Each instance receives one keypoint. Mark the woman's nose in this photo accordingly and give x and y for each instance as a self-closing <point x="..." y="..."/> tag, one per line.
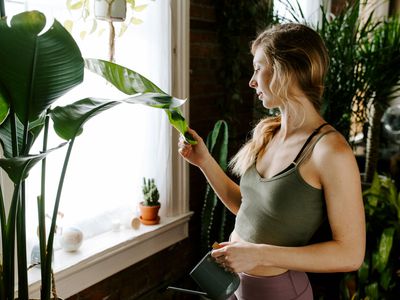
<point x="252" y="83"/>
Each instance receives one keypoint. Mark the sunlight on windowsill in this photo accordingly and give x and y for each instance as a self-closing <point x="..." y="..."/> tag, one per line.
<point x="104" y="255"/>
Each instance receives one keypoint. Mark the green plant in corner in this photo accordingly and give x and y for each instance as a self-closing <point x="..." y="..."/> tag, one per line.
<point x="150" y="192"/>
<point x="380" y="59"/>
<point x="342" y="34"/>
<point x="379" y="275"/>
<point x="39" y="62"/>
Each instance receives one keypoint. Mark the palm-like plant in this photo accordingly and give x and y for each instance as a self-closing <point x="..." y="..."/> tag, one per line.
<point x="380" y="59"/>
<point x="39" y="62"/>
<point x="342" y="35"/>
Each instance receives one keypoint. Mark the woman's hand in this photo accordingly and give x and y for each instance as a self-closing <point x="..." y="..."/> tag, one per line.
<point x="237" y="256"/>
<point x="195" y="154"/>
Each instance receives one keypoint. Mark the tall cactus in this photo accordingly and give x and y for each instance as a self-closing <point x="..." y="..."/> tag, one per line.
<point x="214" y="213"/>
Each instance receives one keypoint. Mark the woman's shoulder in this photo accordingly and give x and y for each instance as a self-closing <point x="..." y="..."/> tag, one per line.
<point x="332" y="148"/>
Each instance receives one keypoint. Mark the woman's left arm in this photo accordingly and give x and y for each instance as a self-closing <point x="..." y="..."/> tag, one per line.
<point x="340" y="179"/>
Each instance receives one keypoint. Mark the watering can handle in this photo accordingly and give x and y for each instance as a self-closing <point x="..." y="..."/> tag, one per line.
<point x="186" y="291"/>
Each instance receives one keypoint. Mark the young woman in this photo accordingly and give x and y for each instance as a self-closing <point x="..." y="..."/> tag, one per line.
<point x="296" y="171"/>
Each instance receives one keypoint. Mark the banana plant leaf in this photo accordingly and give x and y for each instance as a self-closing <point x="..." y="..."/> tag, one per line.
<point x="140" y="88"/>
<point x="6" y="134"/>
<point x="69" y="120"/>
<point x="124" y="79"/>
<point x="18" y="168"/>
<point x="39" y="63"/>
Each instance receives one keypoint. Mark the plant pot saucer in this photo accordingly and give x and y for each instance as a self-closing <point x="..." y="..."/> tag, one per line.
<point x="150" y="222"/>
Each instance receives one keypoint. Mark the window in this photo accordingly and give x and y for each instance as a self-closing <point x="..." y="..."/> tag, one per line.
<point x="124" y="144"/>
<point x="310" y="8"/>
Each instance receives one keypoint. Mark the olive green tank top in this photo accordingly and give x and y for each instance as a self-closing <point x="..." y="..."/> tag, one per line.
<point x="283" y="210"/>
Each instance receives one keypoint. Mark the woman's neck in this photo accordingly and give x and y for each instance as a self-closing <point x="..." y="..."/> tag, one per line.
<point x="298" y="119"/>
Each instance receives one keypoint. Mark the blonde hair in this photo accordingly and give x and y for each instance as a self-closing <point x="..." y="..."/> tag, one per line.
<point x="297" y="57"/>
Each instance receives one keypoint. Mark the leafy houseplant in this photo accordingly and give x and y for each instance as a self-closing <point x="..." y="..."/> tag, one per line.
<point x="380" y="58"/>
<point x="150" y="205"/>
<point x="342" y="35"/>
<point x="363" y="73"/>
<point x="39" y="62"/>
<point x="379" y="275"/>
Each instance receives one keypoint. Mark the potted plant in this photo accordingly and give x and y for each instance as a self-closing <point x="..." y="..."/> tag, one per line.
<point x="114" y="10"/>
<point x="150" y="205"/>
<point x="39" y="62"/>
<point x="110" y="11"/>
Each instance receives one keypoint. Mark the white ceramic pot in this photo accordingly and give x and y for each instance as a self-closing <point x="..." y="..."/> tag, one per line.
<point x="110" y="10"/>
<point x="71" y="239"/>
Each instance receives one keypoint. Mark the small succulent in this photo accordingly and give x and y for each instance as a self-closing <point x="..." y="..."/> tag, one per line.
<point x="150" y="192"/>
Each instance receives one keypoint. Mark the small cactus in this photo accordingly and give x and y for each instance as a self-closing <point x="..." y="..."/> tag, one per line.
<point x="150" y="192"/>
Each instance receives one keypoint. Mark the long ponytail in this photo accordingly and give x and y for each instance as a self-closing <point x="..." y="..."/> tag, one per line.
<point x="262" y="134"/>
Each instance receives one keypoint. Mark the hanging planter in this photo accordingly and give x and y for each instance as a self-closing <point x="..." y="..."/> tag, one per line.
<point x="110" y="10"/>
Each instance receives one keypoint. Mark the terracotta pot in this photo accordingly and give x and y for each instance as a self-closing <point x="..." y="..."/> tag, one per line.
<point x="149" y="214"/>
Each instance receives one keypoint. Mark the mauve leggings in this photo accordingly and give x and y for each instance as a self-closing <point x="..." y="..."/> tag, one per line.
<point x="290" y="285"/>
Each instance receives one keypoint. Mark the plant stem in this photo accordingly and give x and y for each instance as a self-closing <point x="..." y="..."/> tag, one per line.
<point x="9" y="247"/>
<point x="41" y="202"/>
<point x="21" y="247"/>
<point x="46" y="282"/>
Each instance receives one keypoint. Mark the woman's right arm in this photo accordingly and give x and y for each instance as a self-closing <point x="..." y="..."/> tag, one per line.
<point x="225" y="188"/>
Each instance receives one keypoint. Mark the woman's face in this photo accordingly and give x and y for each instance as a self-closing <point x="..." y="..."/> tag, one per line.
<point x="261" y="79"/>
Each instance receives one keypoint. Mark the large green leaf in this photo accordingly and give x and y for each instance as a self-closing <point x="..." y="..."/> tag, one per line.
<point x="18" y="168"/>
<point x="124" y="79"/>
<point x="178" y="121"/>
<point x="132" y="83"/>
<point x="69" y="120"/>
<point x="39" y="63"/>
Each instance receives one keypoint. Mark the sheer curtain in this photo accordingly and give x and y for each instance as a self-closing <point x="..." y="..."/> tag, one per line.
<point x="120" y="146"/>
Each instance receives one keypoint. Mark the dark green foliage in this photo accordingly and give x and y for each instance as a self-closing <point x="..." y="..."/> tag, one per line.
<point x="378" y="277"/>
<point x="214" y="213"/>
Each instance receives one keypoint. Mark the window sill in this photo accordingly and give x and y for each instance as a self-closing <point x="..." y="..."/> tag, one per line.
<point x="109" y="253"/>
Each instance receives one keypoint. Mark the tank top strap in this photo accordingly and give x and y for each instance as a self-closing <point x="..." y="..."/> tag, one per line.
<point x="310" y="147"/>
<point x="314" y="133"/>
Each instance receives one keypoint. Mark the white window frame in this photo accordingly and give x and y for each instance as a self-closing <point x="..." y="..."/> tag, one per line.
<point x="92" y="263"/>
